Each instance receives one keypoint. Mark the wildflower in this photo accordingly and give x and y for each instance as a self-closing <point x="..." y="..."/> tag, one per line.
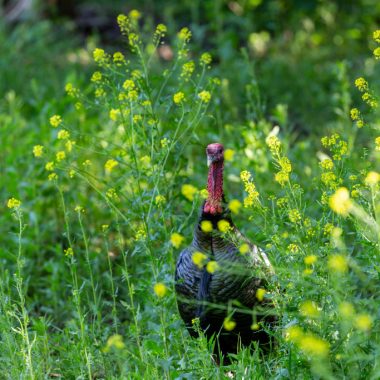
<point x="281" y="177"/>
<point x="212" y="266"/>
<point x="361" y="84"/>
<point x="282" y="202"/>
<point x="234" y="205"/>
<point x="187" y="69"/>
<point x="110" y="165"/>
<point x="123" y="22"/>
<point x="245" y="176"/>
<point x="160" y="289"/>
<point x="199" y="258"/>
<point x="176" y="239"/>
<point x="314" y="346"/>
<point x="310" y="260"/>
<point x="78" y="209"/>
<point x="38" y="150"/>
<point x="87" y="163"/>
<point x="160" y="200"/>
<point x="309" y="309"/>
<point x="99" y="55"/>
<point x="13" y="203"/>
<point x="114" y="114"/>
<point x="355" y="114"/>
<point x="55" y="121"/>
<point x="52" y="176"/>
<point x="229" y="154"/>
<point x="338" y="263"/>
<point x="140" y="235"/>
<point x="327" y="164"/>
<point x="307" y="271"/>
<point x="96" y="76"/>
<point x="206" y="226"/>
<point x="294" y="248"/>
<point x="164" y="142"/>
<point x="205" y="59"/>
<point x="377" y="143"/>
<point x="114" y="341"/>
<point x="293" y="333"/>
<point x="346" y="310"/>
<point x="129" y="84"/>
<point x="118" y="58"/>
<point x="372" y="178"/>
<point x="229" y="324"/>
<point x="327" y="229"/>
<point x="376" y="35"/>
<point x="105" y="227"/>
<point x="223" y="225"/>
<point x="63" y="134"/>
<point x="69" y="145"/>
<point x="69" y="252"/>
<point x="340" y="202"/>
<point x="71" y="90"/>
<point x="134" y="14"/>
<point x="49" y="166"/>
<point x="60" y="156"/>
<point x="363" y="322"/>
<point x="161" y="30"/>
<point x="260" y="293"/>
<point x="112" y="194"/>
<point x="376" y="53"/>
<point x="204" y="96"/>
<point x="273" y="143"/>
<point x="184" y="34"/>
<point x="204" y="193"/>
<point x="244" y="248"/>
<point x="99" y="92"/>
<point x="188" y="191"/>
<point x="179" y="97"/>
<point x="294" y="216"/>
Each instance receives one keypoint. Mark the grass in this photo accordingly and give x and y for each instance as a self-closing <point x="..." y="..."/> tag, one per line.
<point x="98" y="216"/>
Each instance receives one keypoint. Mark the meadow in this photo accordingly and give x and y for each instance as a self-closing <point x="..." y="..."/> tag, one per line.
<point x="103" y="171"/>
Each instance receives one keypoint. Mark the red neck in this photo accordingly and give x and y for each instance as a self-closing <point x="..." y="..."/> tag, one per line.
<point x="213" y="204"/>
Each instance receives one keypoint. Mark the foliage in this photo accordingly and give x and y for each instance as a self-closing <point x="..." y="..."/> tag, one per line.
<point x="101" y="191"/>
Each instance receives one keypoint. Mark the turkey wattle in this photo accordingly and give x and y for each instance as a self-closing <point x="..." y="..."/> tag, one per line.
<point x="230" y="291"/>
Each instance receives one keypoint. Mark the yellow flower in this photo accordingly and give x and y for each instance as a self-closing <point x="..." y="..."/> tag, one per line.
<point x="206" y="226"/>
<point x="361" y="84"/>
<point x="294" y="216"/>
<point x="114" y="114"/>
<point x="203" y="193"/>
<point x="281" y="177"/>
<point x="99" y="55"/>
<point x="314" y="346"/>
<point x="69" y="145"/>
<point x="273" y="143"/>
<point x="69" y="252"/>
<point x="327" y="164"/>
<point x="260" y="293"/>
<point x="49" y="166"/>
<point x="13" y="203"/>
<point x="376" y="35"/>
<point x="229" y="324"/>
<point x="340" y="202"/>
<point x="229" y="154"/>
<point x="376" y="53"/>
<point x="38" y="150"/>
<point x="338" y="263"/>
<point x="223" y="225"/>
<point x="245" y="176"/>
<point x="377" y="143"/>
<point x="55" y="121"/>
<point x="129" y="84"/>
<point x="105" y="227"/>
<point x="60" y="156"/>
<point x="134" y="14"/>
<point x="346" y="310"/>
<point x="78" y="209"/>
<point x="205" y="59"/>
<point x="188" y="191"/>
<point x="355" y="114"/>
<point x="112" y="194"/>
<point x="293" y="334"/>
<point x="179" y="97"/>
<point x="204" y="96"/>
<point x="309" y="309"/>
<point x="63" y="134"/>
<point x="96" y="76"/>
<point x="244" y="248"/>
<point x="212" y="266"/>
<point x="184" y="34"/>
<point x="160" y="289"/>
<point x="176" y="239"/>
<point x="159" y="200"/>
<point x="372" y="178"/>
<point x="118" y="58"/>
<point x="187" y="69"/>
<point x="161" y="30"/>
<point x="310" y="260"/>
<point x="110" y="165"/>
<point x="52" y="176"/>
<point x="199" y="259"/>
<point x="363" y="322"/>
<point x="140" y="234"/>
<point x="114" y="341"/>
<point x="234" y="205"/>
<point x="72" y="173"/>
<point x="293" y="248"/>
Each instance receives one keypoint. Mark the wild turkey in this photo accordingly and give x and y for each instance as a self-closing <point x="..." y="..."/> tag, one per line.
<point x="231" y="291"/>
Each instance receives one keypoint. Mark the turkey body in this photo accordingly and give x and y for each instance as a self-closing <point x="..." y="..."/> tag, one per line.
<point x="229" y="292"/>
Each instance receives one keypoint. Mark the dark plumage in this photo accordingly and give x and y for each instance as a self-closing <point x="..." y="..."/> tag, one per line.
<point x="230" y="291"/>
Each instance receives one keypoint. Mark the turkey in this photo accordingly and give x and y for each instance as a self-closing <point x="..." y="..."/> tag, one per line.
<point x="206" y="297"/>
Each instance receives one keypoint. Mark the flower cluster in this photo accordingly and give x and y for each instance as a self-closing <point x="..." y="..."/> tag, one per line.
<point x="253" y="195"/>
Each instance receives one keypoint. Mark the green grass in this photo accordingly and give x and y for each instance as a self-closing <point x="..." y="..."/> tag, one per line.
<point x="92" y="237"/>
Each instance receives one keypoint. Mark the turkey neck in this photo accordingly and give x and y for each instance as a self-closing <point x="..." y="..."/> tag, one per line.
<point x="215" y="185"/>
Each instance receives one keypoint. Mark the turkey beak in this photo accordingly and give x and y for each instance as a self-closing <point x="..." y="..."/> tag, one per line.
<point x="209" y="161"/>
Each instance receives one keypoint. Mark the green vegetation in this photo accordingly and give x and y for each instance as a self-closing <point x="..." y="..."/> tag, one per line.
<point x="103" y="170"/>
